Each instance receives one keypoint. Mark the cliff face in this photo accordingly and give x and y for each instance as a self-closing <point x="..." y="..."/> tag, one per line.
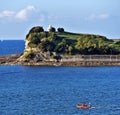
<point x="34" y="54"/>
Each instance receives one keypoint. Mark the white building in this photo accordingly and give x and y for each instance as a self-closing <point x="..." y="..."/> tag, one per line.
<point x="49" y="27"/>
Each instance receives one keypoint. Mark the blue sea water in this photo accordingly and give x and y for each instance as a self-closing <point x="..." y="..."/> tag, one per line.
<point x="35" y="90"/>
<point x="11" y="47"/>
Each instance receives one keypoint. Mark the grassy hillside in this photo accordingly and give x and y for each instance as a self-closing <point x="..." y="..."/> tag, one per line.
<point x="68" y="43"/>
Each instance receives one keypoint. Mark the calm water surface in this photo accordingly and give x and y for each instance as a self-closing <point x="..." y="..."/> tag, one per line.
<point x="56" y="90"/>
<point x="11" y="47"/>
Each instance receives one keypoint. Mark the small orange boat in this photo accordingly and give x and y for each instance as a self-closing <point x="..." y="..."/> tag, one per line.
<point x="83" y="106"/>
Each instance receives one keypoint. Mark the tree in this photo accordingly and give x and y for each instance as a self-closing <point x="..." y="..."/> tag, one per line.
<point x="52" y="29"/>
<point x="47" y="45"/>
<point x="60" y="30"/>
<point x="79" y="44"/>
<point x="70" y="49"/>
<point x="61" y="47"/>
<point x="33" y="38"/>
<point x="36" y="29"/>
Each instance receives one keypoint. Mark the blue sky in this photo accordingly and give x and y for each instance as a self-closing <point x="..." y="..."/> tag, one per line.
<point x="83" y="16"/>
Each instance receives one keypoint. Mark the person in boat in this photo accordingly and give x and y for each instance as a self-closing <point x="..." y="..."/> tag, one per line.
<point x="83" y="106"/>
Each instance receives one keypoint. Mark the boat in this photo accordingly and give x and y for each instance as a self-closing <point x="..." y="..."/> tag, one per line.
<point x="82" y="106"/>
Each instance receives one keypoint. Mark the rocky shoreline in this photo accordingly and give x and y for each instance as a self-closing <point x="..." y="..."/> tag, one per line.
<point x="9" y="59"/>
<point x="14" y="60"/>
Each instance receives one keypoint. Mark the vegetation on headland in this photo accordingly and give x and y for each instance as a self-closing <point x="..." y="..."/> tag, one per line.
<point x="67" y="43"/>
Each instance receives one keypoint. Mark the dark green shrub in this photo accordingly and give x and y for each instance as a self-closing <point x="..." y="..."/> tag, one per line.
<point x="36" y="29"/>
<point x="60" y="30"/>
<point x="32" y="45"/>
<point x="29" y="55"/>
<point x="52" y="29"/>
<point x="47" y="45"/>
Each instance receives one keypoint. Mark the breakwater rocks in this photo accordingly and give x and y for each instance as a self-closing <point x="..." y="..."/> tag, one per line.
<point x="14" y="60"/>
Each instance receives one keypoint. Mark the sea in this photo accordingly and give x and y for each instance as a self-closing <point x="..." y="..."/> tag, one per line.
<point x="49" y="90"/>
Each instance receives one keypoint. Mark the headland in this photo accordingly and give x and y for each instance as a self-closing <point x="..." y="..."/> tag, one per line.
<point x="61" y="48"/>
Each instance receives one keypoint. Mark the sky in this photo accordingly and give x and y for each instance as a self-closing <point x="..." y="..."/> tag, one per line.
<point x="101" y="17"/>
